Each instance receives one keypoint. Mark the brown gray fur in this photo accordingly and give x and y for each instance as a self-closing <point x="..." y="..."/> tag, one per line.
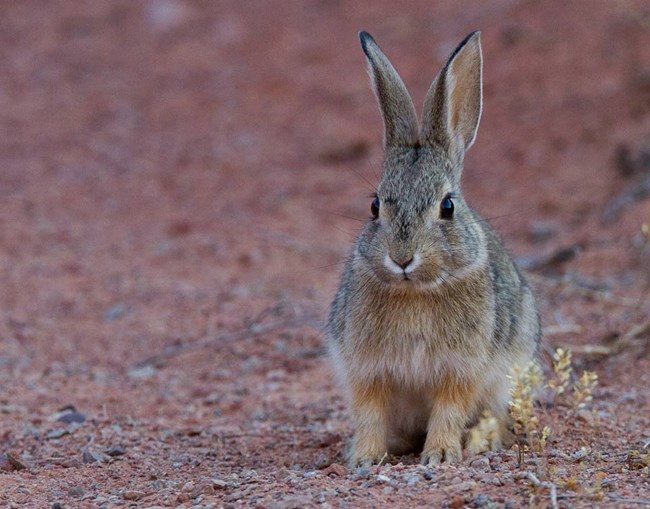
<point x="431" y="315"/>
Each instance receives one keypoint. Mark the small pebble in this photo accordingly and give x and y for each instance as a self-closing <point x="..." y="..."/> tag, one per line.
<point x="383" y="478"/>
<point x="480" y="464"/>
<point x="57" y="433"/>
<point x="76" y="492"/>
<point x="132" y="495"/>
<point x="412" y="479"/>
<point x="362" y="473"/>
<point x="336" y="470"/>
<point x="481" y="500"/>
<point x="219" y="484"/>
<point x="116" y="450"/>
<point x="457" y="502"/>
<point x="70" y="417"/>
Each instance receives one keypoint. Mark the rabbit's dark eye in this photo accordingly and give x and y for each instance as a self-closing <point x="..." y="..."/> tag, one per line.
<point x="374" y="208"/>
<point x="447" y="208"/>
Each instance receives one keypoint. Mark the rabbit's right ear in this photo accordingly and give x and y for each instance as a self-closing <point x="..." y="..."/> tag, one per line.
<point x="395" y="103"/>
<point x="452" y="109"/>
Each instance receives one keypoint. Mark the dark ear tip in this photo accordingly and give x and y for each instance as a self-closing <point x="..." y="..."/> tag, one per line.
<point x="365" y="38"/>
<point x="473" y="35"/>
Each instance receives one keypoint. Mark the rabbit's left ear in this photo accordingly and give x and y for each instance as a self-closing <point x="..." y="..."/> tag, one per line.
<point x="452" y="108"/>
<point x="398" y="112"/>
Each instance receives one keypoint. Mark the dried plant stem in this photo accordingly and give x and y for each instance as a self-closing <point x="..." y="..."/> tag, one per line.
<point x="210" y="341"/>
<point x="552" y="488"/>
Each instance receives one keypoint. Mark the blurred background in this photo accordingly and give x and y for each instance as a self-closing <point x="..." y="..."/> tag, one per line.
<point x="173" y="170"/>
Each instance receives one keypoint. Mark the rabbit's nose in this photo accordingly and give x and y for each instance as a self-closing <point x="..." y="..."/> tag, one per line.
<point x="403" y="264"/>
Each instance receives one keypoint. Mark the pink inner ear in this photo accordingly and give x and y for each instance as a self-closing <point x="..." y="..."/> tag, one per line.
<point x="464" y="82"/>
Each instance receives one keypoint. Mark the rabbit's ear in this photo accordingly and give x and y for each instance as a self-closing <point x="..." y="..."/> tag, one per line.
<point x="452" y="109"/>
<point x="400" y="120"/>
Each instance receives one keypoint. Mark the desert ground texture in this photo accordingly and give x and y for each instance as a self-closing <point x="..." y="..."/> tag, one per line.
<point x="180" y="184"/>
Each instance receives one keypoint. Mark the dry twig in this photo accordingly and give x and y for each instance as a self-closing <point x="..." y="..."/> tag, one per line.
<point x="552" y="488"/>
<point x="254" y="329"/>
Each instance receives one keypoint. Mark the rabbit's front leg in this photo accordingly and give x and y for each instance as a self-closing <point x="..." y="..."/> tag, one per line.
<point x="370" y="409"/>
<point x="453" y="403"/>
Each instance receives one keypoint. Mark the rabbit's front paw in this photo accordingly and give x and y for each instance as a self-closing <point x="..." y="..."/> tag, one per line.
<point x="447" y="453"/>
<point x="366" y="453"/>
<point x="490" y="434"/>
<point x="367" y="460"/>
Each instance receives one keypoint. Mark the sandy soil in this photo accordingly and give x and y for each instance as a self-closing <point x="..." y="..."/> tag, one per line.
<point x="179" y="184"/>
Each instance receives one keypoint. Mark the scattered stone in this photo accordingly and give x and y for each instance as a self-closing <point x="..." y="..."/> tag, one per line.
<point x="142" y="372"/>
<point x="461" y="486"/>
<point x="429" y="475"/>
<point x="132" y="495"/>
<point x="361" y="473"/>
<point x="70" y="417"/>
<point x="481" y="464"/>
<point x="219" y="484"/>
<point x="383" y="478"/>
<point x="184" y="497"/>
<point x="336" y="470"/>
<point x="234" y="496"/>
<point x="580" y="454"/>
<point x="482" y="500"/>
<point x="322" y="461"/>
<point x="16" y="461"/>
<point x="91" y="456"/>
<point x="200" y="490"/>
<point x="76" y="492"/>
<point x="57" y="433"/>
<point x="457" y="502"/>
<point x="5" y="464"/>
<point x="412" y="480"/>
<point x="115" y="451"/>
<point x="293" y="502"/>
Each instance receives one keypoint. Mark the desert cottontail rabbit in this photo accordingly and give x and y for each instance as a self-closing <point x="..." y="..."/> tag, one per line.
<point x="431" y="315"/>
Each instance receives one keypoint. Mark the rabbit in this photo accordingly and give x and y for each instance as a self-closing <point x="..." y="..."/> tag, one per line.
<point x="431" y="315"/>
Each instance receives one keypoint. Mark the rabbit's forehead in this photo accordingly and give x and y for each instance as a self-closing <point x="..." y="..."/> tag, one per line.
<point x="419" y="179"/>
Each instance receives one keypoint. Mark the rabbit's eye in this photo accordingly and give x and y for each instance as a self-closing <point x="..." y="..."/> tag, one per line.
<point x="374" y="208"/>
<point x="447" y="208"/>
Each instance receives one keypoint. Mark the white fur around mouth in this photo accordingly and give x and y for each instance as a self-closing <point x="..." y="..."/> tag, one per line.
<point x="396" y="269"/>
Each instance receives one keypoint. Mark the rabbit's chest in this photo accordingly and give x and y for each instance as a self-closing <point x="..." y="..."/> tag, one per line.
<point x="417" y="347"/>
<point x="413" y="361"/>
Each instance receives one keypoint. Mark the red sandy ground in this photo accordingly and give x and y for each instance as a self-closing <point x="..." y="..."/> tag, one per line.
<point x="178" y="187"/>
